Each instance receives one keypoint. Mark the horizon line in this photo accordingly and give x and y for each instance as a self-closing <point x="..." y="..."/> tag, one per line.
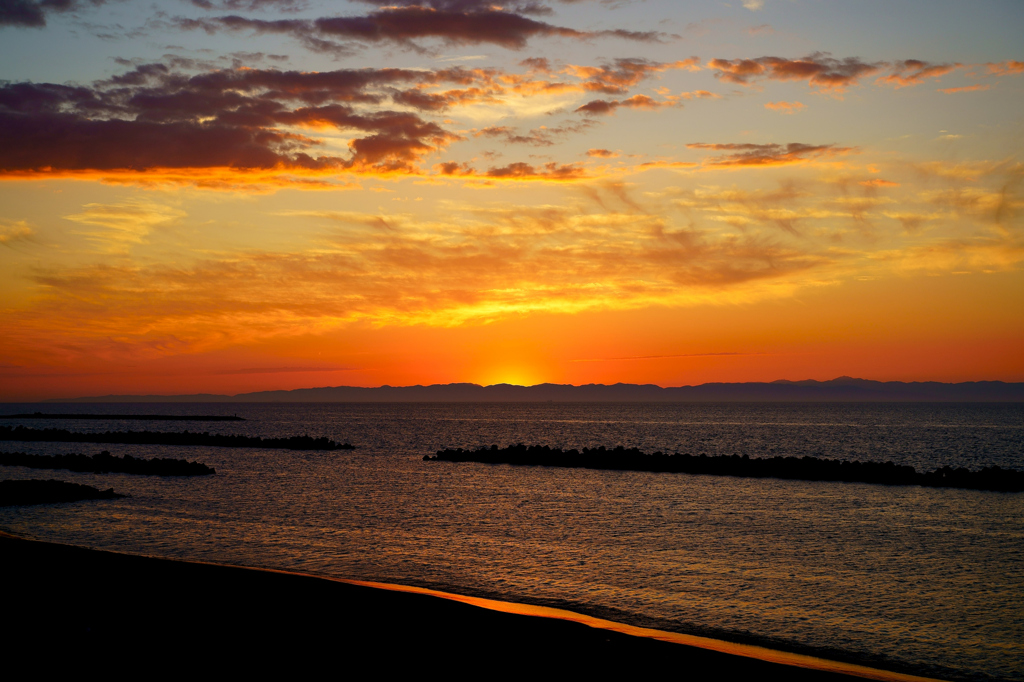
<point x="471" y="385"/>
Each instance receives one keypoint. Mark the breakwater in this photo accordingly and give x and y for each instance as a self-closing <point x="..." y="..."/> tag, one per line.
<point x="35" y="491"/>
<point x="794" y="468"/>
<point x="105" y="463"/>
<point x="22" y="433"/>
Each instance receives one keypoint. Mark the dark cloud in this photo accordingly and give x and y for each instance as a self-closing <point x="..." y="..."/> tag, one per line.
<point x="69" y="142"/>
<point x="537" y="64"/>
<point x="250" y="5"/>
<point x="404" y="24"/>
<point x="549" y="171"/>
<point x="32" y="13"/>
<point x="817" y="69"/>
<point x="450" y="22"/>
<point x="600" y="106"/>
<point x="442" y="100"/>
<point x="518" y="6"/>
<point x="453" y="168"/>
<point x="768" y="154"/>
<point x="155" y="117"/>
<point x="827" y="73"/>
<point x="515" y="171"/>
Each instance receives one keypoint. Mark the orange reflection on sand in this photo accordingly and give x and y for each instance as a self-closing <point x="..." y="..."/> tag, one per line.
<point x="745" y="650"/>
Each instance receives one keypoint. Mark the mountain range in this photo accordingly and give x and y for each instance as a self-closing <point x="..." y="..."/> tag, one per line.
<point x="843" y="389"/>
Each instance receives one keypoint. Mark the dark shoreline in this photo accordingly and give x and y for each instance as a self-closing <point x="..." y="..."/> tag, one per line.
<point x="136" y="607"/>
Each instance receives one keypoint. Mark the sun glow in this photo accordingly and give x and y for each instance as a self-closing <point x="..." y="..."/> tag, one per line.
<point x="515" y="375"/>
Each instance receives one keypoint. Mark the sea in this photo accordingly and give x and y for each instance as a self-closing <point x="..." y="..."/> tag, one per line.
<point x="921" y="580"/>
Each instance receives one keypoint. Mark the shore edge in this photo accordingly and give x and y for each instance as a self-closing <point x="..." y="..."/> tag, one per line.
<point x="29" y="561"/>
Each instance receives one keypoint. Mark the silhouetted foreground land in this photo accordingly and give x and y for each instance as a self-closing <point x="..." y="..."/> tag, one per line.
<point x="794" y="468"/>
<point x="169" y="438"/>
<point x="34" y="491"/>
<point x="124" y="417"/>
<point x="105" y="463"/>
<point x="155" y="616"/>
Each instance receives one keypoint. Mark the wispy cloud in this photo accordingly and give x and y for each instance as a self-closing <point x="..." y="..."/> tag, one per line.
<point x="631" y="358"/>
<point x="123" y="224"/>
<point x="748" y="154"/>
<point x="785" y="107"/>
<point x="914" y="72"/>
<point x="967" y="88"/>
<point x="12" y="231"/>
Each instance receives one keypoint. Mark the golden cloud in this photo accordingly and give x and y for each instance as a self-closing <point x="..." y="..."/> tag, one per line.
<point x="785" y="107"/>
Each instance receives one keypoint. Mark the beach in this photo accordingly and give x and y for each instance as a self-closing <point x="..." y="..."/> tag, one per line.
<point x="126" y="608"/>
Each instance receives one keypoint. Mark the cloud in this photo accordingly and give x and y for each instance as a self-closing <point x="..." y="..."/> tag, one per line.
<point x="183" y="122"/>
<point x="666" y="357"/>
<point x="12" y="231"/>
<point x="1007" y="68"/>
<point x="768" y="154"/>
<point x="284" y="370"/>
<point x="699" y="94"/>
<point x="453" y="23"/>
<point x="123" y="224"/>
<point x="525" y="171"/>
<point x="623" y="74"/>
<point x="665" y="163"/>
<point x="540" y="137"/>
<point x="246" y="119"/>
<point x="551" y="171"/>
<point x="488" y="262"/>
<point x="418" y="98"/>
<point x="543" y="136"/>
<point x="914" y="72"/>
<point x="602" y="154"/>
<point x="600" y="106"/>
<point x="520" y="6"/>
<point x="966" y="88"/>
<point x="753" y="5"/>
<point x="818" y="69"/>
<point x="785" y="107"/>
<point x="480" y="262"/>
<point x="250" y="5"/>
<point x="405" y="24"/>
<point x="910" y="221"/>
<point x="32" y="13"/>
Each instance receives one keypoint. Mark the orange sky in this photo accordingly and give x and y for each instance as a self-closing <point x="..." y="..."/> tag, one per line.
<point x="593" y="195"/>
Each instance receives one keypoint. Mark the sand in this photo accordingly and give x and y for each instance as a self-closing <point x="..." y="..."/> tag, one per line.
<point x="76" y="608"/>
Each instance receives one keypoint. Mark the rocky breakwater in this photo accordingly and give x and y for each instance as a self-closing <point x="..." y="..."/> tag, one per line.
<point x="794" y="468"/>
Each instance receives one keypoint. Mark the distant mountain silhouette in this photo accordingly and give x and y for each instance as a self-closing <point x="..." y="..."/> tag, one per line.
<point x="843" y="389"/>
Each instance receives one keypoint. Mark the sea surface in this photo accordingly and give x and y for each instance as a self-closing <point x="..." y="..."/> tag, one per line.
<point x="907" y="578"/>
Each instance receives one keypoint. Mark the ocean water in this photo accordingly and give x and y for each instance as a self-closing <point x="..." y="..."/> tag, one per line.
<point x="916" y="579"/>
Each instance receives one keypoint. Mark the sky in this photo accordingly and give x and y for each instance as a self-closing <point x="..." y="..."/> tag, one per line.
<point x="238" y="195"/>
